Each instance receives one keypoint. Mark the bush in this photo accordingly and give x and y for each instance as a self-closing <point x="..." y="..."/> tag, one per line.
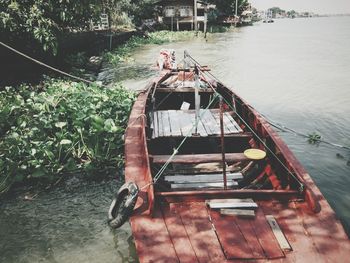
<point x="61" y="127"/>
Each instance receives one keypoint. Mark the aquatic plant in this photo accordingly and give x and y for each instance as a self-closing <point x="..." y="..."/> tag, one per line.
<point x="61" y="127"/>
<point x="314" y="138"/>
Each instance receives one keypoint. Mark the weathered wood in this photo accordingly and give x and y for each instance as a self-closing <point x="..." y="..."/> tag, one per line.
<point x="266" y="237"/>
<point x="178" y="234"/>
<point x="282" y="241"/>
<point x="202" y="185"/>
<point x="201" y="177"/>
<point x="199" y="158"/>
<point x="238" y="212"/>
<point x="175" y="123"/>
<point x="232" y="204"/>
<point x="188" y="196"/>
<point x="200" y="232"/>
<point x="184" y="90"/>
<point x="232" y="241"/>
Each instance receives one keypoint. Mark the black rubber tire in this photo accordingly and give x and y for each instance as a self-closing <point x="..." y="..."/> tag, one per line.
<point x="123" y="205"/>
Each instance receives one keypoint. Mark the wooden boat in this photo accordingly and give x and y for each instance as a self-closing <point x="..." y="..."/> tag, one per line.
<point x="202" y="197"/>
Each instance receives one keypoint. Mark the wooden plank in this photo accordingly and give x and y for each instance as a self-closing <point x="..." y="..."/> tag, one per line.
<point x="207" y="122"/>
<point x="178" y="234"/>
<point x="166" y="123"/>
<point x="282" y="241"/>
<point x="245" y="225"/>
<point x="238" y="212"/>
<point x="213" y="122"/>
<point x="187" y="124"/>
<point x="232" y="120"/>
<point x="160" y="124"/>
<point x="200" y="232"/>
<point x="200" y="128"/>
<point x="231" y="123"/>
<point x="266" y="237"/>
<point x="232" y="205"/>
<point x="202" y="177"/>
<point x="155" y="125"/>
<point x="233" y="242"/>
<point x="152" y="241"/>
<point x="216" y="116"/>
<point x="184" y="90"/>
<point x="230" y="200"/>
<point x="202" y="185"/>
<point x="175" y="123"/>
<point x="199" y="158"/>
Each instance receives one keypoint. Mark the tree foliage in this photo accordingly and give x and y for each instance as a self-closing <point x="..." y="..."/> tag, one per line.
<point x="42" y="21"/>
<point x="228" y="7"/>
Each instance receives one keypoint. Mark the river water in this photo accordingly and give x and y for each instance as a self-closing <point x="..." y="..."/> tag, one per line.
<point x="294" y="71"/>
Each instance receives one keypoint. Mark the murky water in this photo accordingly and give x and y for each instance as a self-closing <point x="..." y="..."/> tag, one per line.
<point x="295" y="72"/>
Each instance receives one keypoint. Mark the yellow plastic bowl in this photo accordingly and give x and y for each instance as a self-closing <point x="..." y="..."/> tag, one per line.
<point x="255" y="154"/>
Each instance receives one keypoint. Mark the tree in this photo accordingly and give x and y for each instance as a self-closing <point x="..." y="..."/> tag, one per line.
<point x="41" y="21"/>
<point x="228" y="7"/>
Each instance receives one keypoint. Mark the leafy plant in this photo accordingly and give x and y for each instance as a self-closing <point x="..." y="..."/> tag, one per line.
<point x="60" y="128"/>
<point x="314" y="138"/>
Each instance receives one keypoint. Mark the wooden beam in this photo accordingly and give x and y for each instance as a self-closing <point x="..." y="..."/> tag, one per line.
<point x="282" y="241"/>
<point x="202" y="185"/>
<point x="201" y="177"/>
<point x="184" y="90"/>
<point x="237" y="212"/>
<point x="199" y="158"/>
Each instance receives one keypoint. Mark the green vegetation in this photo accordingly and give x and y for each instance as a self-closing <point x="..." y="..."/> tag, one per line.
<point x="314" y="138"/>
<point x="122" y="53"/>
<point x="61" y="127"/>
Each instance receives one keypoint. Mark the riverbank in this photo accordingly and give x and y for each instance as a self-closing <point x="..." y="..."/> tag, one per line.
<point x="61" y="128"/>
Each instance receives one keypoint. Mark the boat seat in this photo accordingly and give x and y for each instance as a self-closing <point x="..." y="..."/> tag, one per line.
<point x="198" y="158"/>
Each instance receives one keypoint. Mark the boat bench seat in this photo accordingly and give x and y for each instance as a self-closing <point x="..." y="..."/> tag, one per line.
<point x="198" y="158"/>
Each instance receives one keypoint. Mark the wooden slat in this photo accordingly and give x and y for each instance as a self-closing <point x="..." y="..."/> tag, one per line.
<point x="186" y="124"/>
<point x="152" y="241"/>
<point x="160" y="124"/>
<point x="232" y="120"/>
<point x="156" y="124"/>
<point x="213" y="122"/>
<point x="202" y="185"/>
<point x="178" y="234"/>
<point x="201" y="234"/>
<point x="202" y="177"/>
<point x="166" y="123"/>
<point x="245" y="225"/>
<point x="209" y="124"/>
<point x="184" y="89"/>
<point x="191" y="116"/>
<point x="232" y="205"/>
<point x="216" y="116"/>
<point x="199" y="158"/>
<point x="282" y="241"/>
<point x="175" y="123"/>
<point x="231" y="123"/>
<point x="237" y="212"/>
<point x="233" y="242"/>
<point x="266" y="237"/>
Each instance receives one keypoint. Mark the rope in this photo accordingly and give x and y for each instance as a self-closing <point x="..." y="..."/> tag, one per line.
<point x="251" y="129"/>
<point x="50" y="67"/>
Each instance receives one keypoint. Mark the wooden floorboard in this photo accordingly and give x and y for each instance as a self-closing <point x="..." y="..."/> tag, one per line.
<point x="233" y="242"/>
<point x="199" y="158"/>
<point x="201" y="234"/>
<point x="174" y="123"/>
<point x="178" y="234"/>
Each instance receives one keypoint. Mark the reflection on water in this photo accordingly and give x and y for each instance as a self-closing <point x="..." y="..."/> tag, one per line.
<point x="295" y="72"/>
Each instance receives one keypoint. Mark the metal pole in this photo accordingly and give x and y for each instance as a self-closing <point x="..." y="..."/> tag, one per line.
<point x="197" y="99"/>
<point x="195" y="15"/>
<point x="236" y="12"/>
<point x="223" y="142"/>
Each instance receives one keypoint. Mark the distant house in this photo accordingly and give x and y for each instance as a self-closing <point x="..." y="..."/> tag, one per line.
<point x="183" y="14"/>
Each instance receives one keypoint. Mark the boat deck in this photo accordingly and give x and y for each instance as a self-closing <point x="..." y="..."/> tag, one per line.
<point x="191" y="232"/>
<point x="173" y="123"/>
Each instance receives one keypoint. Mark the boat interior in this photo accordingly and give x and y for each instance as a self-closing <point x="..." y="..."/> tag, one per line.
<point x="198" y="131"/>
